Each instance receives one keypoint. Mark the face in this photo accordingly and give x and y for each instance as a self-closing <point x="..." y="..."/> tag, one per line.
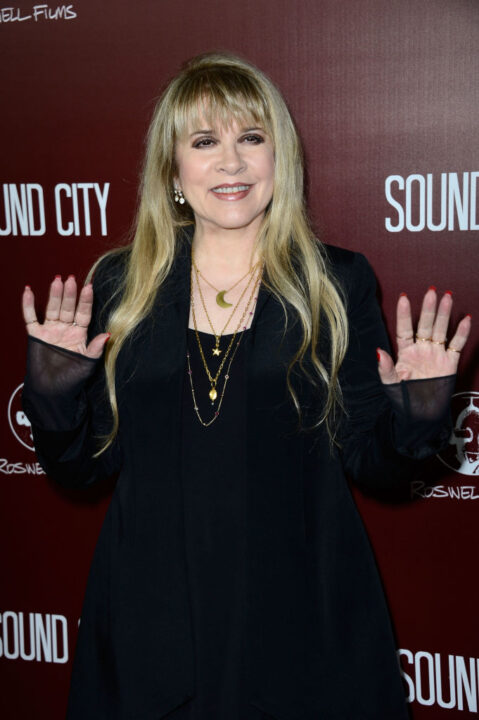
<point x="226" y="175"/>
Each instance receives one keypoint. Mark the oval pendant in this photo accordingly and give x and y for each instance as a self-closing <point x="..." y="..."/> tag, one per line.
<point x="213" y="394"/>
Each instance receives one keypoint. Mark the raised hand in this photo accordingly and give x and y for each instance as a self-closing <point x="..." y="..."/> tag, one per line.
<point x="426" y="353"/>
<point x="66" y="321"/>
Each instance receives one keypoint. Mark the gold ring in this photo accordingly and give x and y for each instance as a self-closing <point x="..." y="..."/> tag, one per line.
<point x="438" y="342"/>
<point x="429" y="339"/>
<point x="398" y="337"/>
<point x="453" y="349"/>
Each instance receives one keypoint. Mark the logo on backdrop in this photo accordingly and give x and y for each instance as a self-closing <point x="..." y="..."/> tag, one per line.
<point x="449" y="683"/>
<point x="462" y="454"/>
<point x="42" y="637"/>
<point x="18" y="421"/>
<point x="432" y="202"/>
<point x="22" y="431"/>
<point x="37" y="13"/>
<point x="77" y="205"/>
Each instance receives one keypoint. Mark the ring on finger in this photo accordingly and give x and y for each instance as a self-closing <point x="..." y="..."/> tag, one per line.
<point x="453" y="349"/>
<point x="78" y="324"/>
<point x="424" y="339"/>
<point x="398" y="337"/>
<point x="438" y="342"/>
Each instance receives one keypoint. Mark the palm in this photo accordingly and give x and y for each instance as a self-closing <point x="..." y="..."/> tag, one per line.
<point x="66" y="321"/>
<point x="424" y="354"/>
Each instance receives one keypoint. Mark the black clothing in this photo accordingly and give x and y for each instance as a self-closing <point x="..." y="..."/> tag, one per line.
<point x="213" y="481"/>
<point x="317" y="642"/>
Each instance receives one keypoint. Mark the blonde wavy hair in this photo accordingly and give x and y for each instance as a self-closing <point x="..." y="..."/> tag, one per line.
<point x="222" y="88"/>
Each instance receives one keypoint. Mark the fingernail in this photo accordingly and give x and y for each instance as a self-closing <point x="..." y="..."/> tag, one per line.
<point x="403" y="294"/>
<point x="58" y="277"/>
<point x="432" y="287"/>
<point x="27" y="287"/>
<point x="448" y="292"/>
<point x="108" y="337"/>
<point x="469" y="316"/>
<point x="378" y="355"/>
<point x="71" y="276"/>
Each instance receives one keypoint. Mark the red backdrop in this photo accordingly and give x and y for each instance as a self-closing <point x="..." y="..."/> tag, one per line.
<point x="385" y="95"/>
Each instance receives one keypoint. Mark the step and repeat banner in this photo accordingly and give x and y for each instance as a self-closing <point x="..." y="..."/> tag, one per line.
<point x="385" y="94"/>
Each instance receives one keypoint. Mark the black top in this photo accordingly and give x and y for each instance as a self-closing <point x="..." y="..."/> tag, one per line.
<point x="213" y="476"/>
<point x="316" y="639"/>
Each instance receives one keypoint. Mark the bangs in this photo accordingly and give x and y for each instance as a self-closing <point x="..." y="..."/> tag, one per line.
<point x="220" y="98"/>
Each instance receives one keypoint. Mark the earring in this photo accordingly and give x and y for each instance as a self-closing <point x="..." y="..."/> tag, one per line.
<point x="179" y="196"/>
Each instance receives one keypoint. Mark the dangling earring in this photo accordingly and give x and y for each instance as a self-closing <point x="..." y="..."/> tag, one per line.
<point x="179" y="196"/>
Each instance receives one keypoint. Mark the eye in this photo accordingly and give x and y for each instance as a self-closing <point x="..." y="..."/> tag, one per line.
<point x="252" y="139"/>
<point x="204" y="142"/>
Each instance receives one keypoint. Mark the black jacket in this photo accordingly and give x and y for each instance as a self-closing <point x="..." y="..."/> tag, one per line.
<point x="319" y="642"/>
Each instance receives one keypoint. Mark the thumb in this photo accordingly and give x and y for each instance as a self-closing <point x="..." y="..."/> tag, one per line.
<point x="387" y="371"/>
<point x="97" y="345"/>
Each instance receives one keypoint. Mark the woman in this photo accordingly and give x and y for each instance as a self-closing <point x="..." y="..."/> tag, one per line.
<point x="225" y="366"/>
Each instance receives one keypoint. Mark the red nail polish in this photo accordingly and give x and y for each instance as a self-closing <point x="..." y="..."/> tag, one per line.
<point x="58" y="277"/>
<point x="403" y="294"/>
<point x="469" y="316"/>
<point x="378" y="354"/>
<point x="448" y="292"/>
<point x="71" y="276"/>
<point x="432" y="287"/>
<point x="27" y="287"/>
<point x="109" y="336"/>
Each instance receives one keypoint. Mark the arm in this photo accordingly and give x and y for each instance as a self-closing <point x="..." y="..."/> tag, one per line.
<point x="64" y="395"/>
<point x="400" y="414"/>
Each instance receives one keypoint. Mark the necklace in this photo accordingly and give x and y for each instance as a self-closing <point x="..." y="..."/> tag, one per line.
<point x="216" y="349"/>
<point x="227" y="376"/>
<point x="213" y="393"/>
<point x="220" y="299"/>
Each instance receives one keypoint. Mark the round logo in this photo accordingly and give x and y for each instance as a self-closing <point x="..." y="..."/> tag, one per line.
<point x="462" y="455"/>
<point x="19" y="423"/>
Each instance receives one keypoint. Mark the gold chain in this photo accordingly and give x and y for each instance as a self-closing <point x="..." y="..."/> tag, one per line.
<point x="216" y="350"/>
<point x="233" y="286"/>
<point x="213" y="380"/>
<point x="195" y="404"/>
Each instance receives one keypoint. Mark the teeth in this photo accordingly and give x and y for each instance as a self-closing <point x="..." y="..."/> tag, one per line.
<point x="230" y="190"/>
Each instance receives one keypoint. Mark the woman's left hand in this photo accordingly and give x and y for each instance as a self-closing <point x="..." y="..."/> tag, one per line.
<point x="427" y="353"/>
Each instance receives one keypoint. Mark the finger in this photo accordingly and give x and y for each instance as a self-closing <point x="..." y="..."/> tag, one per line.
<point x="386" y="369"/>
<point x="68" y="303"/>
<point x="84" y="307"/>
<point x="439" y="331"/>
<point x="54" y="299"/>
<point x="96" y="346"/>
<point x="428" y="313"/>
<point x="28" y="307"/>
<point x="460" y="337"/>
<point x="404" y="328"/>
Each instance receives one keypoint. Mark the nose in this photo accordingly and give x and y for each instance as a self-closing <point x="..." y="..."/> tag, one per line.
<point x="231" y="160"/>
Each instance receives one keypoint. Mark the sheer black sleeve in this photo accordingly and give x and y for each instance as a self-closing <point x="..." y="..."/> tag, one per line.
<point x="65" y="399"/>
<point x="385" y="428"/>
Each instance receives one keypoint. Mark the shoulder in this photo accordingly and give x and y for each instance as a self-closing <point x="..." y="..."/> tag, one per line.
<point x="351" y="271"/>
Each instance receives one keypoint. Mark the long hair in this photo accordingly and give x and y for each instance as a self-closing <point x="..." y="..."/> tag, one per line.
<point x="222" y="89"/>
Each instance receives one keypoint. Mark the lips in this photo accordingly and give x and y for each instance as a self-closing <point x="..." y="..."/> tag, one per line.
<point x="228" y="189"/>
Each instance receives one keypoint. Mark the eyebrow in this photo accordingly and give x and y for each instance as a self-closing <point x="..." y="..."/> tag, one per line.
<point x="209" y="132"/>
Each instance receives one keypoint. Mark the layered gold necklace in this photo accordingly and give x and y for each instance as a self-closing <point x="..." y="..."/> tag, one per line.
<point x="213" y="393"/>
<point x="220" y="294"/>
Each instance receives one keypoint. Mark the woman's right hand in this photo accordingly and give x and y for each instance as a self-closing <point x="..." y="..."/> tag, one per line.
<point x="66" y="321"/>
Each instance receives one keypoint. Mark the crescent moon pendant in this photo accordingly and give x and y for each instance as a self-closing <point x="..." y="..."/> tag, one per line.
<point x="221" y="301"/>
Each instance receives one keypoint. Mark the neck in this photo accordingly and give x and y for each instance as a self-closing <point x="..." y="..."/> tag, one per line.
<point x="229" y="252"/>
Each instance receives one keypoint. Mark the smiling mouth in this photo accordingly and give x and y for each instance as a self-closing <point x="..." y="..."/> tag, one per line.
<point x="231" y="189"/>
